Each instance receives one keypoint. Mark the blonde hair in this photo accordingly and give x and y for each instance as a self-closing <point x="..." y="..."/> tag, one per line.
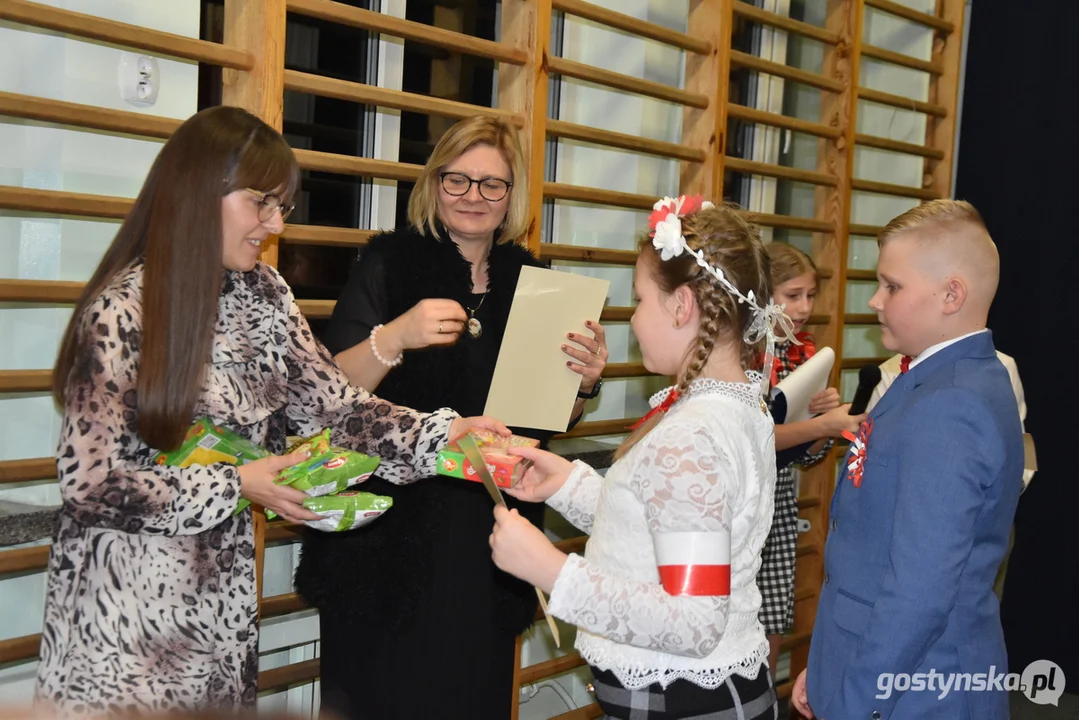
<point x="729" y="242"/>
<point x="788" y="262"/>
<point x="459" y="139"/>
<point x="944" y="215"/>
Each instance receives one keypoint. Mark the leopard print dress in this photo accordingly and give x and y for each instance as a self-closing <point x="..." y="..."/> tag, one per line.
<point x="151" y="602"/>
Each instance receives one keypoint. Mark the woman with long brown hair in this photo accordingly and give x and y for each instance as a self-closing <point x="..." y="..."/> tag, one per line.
<point x="151" y="600"/>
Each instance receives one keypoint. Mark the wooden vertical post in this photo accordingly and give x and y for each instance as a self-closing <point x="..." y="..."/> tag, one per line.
<point x="709" y="20"/>
<point x="944" y="90"/>
<point x="830" y="251"/>
<point x="523" y="89"/>
<point x="257" y="26"/>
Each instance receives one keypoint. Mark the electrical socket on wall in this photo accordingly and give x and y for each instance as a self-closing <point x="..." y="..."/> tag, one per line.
<point x="139" y="78"/>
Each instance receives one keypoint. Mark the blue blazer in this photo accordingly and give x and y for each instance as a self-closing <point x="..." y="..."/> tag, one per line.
<point x="913" y="552"/>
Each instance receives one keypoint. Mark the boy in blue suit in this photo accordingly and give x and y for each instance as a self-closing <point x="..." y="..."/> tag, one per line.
<point x="907" y="623"/>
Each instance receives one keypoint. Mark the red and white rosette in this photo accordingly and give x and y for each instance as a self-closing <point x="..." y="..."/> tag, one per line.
<point x="694" y="563"/>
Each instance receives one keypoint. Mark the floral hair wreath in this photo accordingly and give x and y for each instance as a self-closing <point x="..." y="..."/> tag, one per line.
<point x="769" y="320"/>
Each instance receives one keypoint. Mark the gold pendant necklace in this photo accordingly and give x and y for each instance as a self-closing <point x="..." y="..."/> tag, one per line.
<point x="475" y="327"/>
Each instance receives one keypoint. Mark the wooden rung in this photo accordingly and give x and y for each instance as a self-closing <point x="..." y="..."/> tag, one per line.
<point x="549" y="668"/>
<point x="325" y="235"/>
<point x="807" y="548"/>
<point x="85" y="116"/>
<point x="616" y="314"/>
<point x="890" y="189"/>
<point x="316" y="309"/>
<point x="795" y="640"/>
<point x="336" y="12"/>
<point x="792" y="223"/>
<point x="783" y="690"/>
<point x="18" y="649"/>
<point x="860" y="319"/>
<point x="819" y="319"/>
<point x="903" y="102"/>
<point x="302" y="82"/>
<point x="294" y="674"/>
<point x="627" y="83"/>
<point x="907" y="13"/>
<point x="859" y="363"/>
<point x="748" y="114"/>
<point x="862" y="275"/>
<point x="280" y="530"/>
<point x="60" y="202"/>
<point x="29" y="469"/>
<point x="735" y="164"/>
<point x="572" y="131"/>
<point x="752" y="62"/>
<point x="118" y="33"/>
<point x="896" y="146"/>
<point x="632" y="25"/>
<point x="352" y="165"/>
<point x="563" y="191"/>
<point x="598" y="427"/>
<point x="281" y="605"/>
<point x="803" y="594"/>
<point x="572" y="545"/>
<point x="805" y="503"/>
<point x="62" y="292"/>
<point x="24" y="559"/>
<point x="588" y="712"/>
<point x="624" y="370"/>
<point x="763" y="17"/>
<point x="878" y="53"/>
<point x="554" y="251"/>
<point x="14" y="381"/>
<point x="865" y="230"/>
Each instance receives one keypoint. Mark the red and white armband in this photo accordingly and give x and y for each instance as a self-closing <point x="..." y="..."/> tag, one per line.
<point x="694" y="563"/>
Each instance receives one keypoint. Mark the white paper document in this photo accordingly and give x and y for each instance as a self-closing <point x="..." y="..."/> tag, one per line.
<point x="532" y="387"/>
<point x="807" y="380"/>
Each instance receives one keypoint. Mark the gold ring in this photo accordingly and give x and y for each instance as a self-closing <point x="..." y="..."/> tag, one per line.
<point x="439" y="327"/>
<point x="599" y="349"/>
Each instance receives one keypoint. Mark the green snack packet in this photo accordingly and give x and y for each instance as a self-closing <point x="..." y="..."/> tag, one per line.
<point x="206" y="443"/>
<point x="346" y="510"/>
<point x="329" y="470"/>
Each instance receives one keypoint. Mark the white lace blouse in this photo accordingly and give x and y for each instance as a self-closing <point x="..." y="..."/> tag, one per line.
<point x="708" y="466"/>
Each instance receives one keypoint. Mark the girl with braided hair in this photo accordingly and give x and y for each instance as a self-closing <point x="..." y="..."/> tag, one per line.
<point x="665" y="597"/>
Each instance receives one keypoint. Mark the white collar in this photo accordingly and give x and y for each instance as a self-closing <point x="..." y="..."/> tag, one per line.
<point x="932" y="349"/>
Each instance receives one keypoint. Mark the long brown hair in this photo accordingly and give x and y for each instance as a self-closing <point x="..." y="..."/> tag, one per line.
<point x="788" y="262"/>
<point x="459" y="139"/>
<point x="731" y="243"/>
<point x="175" y="229"/>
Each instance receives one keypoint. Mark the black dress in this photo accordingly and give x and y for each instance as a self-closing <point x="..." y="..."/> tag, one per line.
<point x="416" y="621"/>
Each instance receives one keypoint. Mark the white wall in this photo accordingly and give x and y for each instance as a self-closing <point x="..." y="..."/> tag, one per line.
<point x="36" y="247"/>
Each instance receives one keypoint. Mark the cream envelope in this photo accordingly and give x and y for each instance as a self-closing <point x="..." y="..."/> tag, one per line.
<point x="532" y="387"/>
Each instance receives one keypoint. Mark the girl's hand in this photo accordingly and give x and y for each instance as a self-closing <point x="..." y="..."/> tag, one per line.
<point x="592" y="358"/>
<point x="521" y="549"/>
<point x="822" y="402"/>
<point x="546" y="476"/>
<point x="835" y="422"/>
<point x="258" y="484"/>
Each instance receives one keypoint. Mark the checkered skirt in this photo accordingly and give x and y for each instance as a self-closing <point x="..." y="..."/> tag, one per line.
<point x="735" y="699"/>
<point x="776" y="576"/>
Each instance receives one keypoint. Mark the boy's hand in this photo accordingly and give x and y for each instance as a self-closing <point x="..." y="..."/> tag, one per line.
<point x="799" y="698"/>
<point x="827" y="399"/>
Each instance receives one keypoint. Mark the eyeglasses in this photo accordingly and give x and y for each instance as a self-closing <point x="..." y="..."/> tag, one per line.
<point x="458" y="184"/>
<point x="269" y="204"/>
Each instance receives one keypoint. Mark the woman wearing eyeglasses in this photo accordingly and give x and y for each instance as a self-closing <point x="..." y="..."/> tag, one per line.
<point x="416" y="620"/>
<point x="151" y="602"/>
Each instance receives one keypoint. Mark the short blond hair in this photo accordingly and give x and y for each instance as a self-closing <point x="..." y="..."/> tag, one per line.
<point x="459" y="139"/>
<point x="944" y="215"/>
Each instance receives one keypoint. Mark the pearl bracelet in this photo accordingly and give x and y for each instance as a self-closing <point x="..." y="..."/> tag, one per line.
<point x="374" y="351"/>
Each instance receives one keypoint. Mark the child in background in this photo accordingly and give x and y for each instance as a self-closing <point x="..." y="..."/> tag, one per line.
<point x="794" y="279"/>
<point x="666" y="597"/>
